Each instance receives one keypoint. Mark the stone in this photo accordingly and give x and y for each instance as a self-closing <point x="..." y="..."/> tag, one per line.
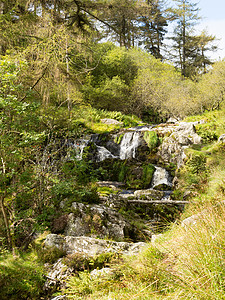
<point x="61" y="297"/>
<point x="97" y="221"/>
<point x="91" y="246"/>
<point x="172" y="120"/>
<point x="221" y="139"/>
<point x="190" y="221"/>
<point x="149" y="194"/>
<point x="57" y="275"/>
<point x="102" y="273"/>
<point x="111" y="121"/>
<point x="172" y="148"/>
<point x="155" y="237"/>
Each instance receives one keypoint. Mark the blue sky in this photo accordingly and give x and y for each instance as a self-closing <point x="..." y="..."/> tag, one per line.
<point x="213" y="14"/>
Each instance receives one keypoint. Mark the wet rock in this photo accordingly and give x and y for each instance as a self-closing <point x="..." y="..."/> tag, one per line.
<point x="149" y="194"/>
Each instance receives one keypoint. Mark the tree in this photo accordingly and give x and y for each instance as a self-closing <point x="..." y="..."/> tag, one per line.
<point x="186" y="14"/>
<point x="121" y="22"/>
<point x="212" y="88"/>
<point x="153" y="27"/>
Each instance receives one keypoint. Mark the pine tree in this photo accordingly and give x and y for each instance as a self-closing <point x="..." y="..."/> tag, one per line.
<point x="186" y="14"/>
<point x="153" y="27"/>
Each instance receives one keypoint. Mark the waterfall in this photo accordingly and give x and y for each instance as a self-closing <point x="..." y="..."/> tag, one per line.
<point x="103" y="153"/>
<point x="129" y="144"/>
<point x="161" y="179"/>
<point x="79" y="146"/>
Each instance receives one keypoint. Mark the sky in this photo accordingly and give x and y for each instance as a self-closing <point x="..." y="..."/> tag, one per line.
<point x="213" y="20"/>
<point x="212" y="13"/>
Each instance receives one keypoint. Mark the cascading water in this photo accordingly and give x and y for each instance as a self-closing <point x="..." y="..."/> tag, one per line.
<point x="129" y="144"/>
<point x="79" y="146"/>
<point x="161" y="178"/>
<point x="103" y="153"/>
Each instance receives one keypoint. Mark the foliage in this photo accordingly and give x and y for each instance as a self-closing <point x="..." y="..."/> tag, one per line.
<point x="21" y="278"/>
<point x="207" y="132"/>
<point x="151" y="139"/>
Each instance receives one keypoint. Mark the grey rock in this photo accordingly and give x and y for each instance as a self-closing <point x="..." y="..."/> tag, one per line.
<point x="91" y="246"/>
<point x="172" y="120"/>
<point x="149" y="194"/>
<point x="155" y="237"/>
<point x="97" y="220"/>
<point x="62" y="297"/>
<point x="111" y="121"/>
<point x="102" y="273"/>
<point x="190" y="221"/>
<point x="221" y="139"/>
<point x="58" y="273"/>
<point x="172" y="149"/>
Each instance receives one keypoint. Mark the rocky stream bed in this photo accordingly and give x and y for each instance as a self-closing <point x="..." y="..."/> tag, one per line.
<point x="135" y="200"/>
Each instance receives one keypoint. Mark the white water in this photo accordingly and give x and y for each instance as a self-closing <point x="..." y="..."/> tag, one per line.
<point x="161" y="177"/>
<point x="79" y="146"/>
<point x="103" y="153"/>
<point x="129" y="144"/>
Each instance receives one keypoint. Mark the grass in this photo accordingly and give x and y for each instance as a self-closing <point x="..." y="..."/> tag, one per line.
<point x="21" y="277"/>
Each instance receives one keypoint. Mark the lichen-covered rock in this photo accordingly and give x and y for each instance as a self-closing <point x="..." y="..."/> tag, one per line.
<point x="149" y="194"/>
<point x="58" y="273"/>
<point x="181" y="137"/>
<point x="97" y="220"/>
<point x="102" y="273"/>
<point x="91" y="246"/>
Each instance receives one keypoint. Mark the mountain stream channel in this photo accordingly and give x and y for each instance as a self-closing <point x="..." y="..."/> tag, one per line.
<point x="135" y="193"/>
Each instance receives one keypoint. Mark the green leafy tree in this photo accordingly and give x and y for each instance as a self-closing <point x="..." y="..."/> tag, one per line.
<point x="212" y="88"/>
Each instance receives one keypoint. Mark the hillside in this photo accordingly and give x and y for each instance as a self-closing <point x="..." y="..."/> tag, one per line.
<point x="185" y="262"/>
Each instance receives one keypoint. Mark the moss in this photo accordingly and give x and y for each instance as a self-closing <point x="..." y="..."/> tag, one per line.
<point x="151" y="139"/>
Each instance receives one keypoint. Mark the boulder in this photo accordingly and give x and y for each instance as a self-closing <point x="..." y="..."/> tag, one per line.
<point x="91" y="246"/>
<point x="172" y="148"/>
<point x="97" y="221"/>
<point x="102" y="273"/>
<point x="149" y="194"/>
<point x="111" y="122"/>
<point x="57" y="275"/>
